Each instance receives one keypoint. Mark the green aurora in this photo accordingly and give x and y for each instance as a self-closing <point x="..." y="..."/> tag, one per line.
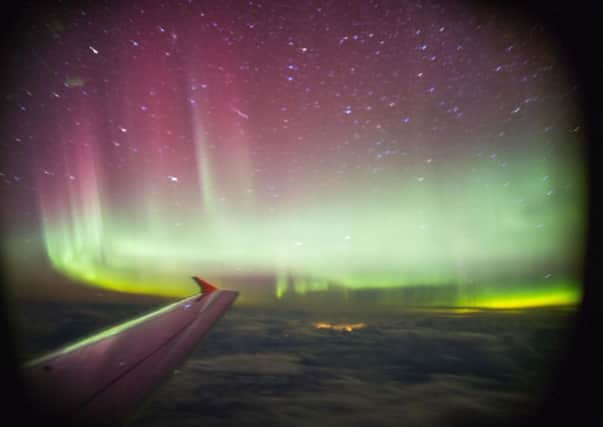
<point x="403" y="155"/>
<point x="503" y="237"/>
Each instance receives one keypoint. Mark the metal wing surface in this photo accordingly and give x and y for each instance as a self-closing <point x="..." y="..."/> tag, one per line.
<point x="102" y="378"/>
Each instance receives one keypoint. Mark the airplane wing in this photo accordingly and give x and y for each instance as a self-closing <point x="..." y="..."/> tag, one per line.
<point x="102" y="378"/>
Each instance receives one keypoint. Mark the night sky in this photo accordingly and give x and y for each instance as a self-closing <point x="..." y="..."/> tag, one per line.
<point x="361" y="145"/>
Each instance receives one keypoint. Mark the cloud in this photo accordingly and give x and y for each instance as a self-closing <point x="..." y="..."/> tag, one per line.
<point x="258" y="368"/>
<point x="255" y="364"/>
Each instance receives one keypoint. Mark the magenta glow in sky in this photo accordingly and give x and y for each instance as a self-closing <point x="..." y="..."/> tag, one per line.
<point x="368" y="143"/>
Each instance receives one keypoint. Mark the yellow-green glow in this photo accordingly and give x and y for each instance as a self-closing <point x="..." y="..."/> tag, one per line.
<point x="416" y="167"/>
<point x="499" y="248"/>
<point x="530" y="296"/>
<point x="468" y="297"/>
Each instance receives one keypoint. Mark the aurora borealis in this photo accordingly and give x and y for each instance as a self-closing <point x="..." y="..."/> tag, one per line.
<point x="352" y="145"/>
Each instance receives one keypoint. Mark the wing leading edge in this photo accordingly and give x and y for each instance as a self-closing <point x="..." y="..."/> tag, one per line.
<point x="102" y="378"/>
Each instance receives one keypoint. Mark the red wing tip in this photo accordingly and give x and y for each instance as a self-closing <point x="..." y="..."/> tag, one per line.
<point x="205" y="287"/>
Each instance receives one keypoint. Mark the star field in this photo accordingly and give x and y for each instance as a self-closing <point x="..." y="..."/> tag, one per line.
<point x="363" y="144"/>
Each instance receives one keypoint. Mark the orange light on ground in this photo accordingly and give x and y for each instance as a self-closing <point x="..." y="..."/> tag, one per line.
<point x="348" y="327"/>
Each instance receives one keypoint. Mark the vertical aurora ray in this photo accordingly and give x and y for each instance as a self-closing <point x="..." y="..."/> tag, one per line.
<point x="204" y="166"/>
<point x="209" y="141"/>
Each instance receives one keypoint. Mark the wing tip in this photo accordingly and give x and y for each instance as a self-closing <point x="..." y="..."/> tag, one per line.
<point x="205" y="286"/>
